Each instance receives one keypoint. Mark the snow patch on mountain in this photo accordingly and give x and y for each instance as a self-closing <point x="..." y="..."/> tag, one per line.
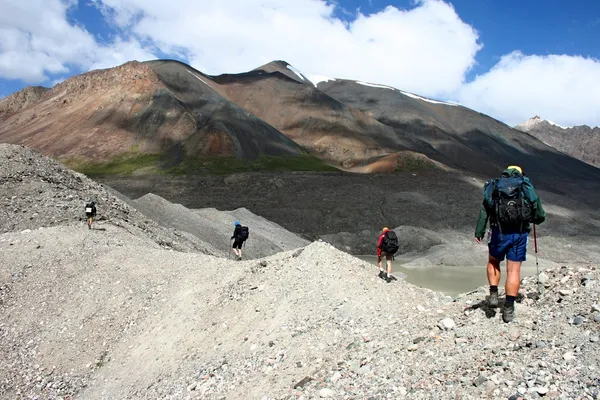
<point x="415" y="96"/>
<point x="298" y="73"/>
<point x="197" y="77"/>
<point x="376" y="85"/>
<point x="316" y="79"/>
<point x="411" y="95"/>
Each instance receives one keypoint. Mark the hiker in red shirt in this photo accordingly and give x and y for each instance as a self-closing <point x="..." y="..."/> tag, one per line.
<point x="387" y="239"/>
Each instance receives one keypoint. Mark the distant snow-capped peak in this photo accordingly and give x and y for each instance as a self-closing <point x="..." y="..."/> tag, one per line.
<point x="531" y="122"/>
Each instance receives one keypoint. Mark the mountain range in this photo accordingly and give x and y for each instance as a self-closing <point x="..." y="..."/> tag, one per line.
<point x="174" y="116"/>
<point x="582" y="142"/>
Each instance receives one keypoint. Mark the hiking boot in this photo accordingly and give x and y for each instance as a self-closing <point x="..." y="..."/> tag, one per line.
<point x="382" y="274"/>
<point x="390" y="278"/>
<point x="493" y="299"/>
<point x="508" y="314"/>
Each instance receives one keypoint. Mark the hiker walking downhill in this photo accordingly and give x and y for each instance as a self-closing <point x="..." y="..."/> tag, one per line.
<point x="240" y="235"/>
<point x="511" y="205"/>
<point x="90" y="212"/>
<point x="387" y="246"/>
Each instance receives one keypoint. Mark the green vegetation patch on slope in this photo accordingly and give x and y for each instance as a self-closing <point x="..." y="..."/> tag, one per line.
<point x="124" y="164"/>
<point x="130" y="163"/>
<point x="410" y="161"/>
<point x="229" y="165"/>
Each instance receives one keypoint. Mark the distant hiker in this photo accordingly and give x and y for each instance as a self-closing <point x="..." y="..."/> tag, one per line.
<point x="240" y="235"/>
<point x="511" y="205"/>
<point x="387" y="246"/>
<point x="90" y="212"/>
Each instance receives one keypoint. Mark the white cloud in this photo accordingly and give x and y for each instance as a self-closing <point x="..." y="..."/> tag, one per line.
<point x="37" y="40"/>
<point x="427" y="50"/>
<point x="562" y="88"/>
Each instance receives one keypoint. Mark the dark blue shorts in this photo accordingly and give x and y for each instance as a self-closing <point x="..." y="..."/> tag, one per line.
<point x="513" y="246"/>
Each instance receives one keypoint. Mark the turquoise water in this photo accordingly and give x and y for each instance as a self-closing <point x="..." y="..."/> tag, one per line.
<point x="446" y="279"/>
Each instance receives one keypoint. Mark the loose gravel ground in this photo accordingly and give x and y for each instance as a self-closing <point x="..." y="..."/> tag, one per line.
<point x="134" y="310"/>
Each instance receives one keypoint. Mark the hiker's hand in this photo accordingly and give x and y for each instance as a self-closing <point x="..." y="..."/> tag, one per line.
<point x="478" y="240"/>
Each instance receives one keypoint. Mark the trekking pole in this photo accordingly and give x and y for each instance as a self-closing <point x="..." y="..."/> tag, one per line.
<point x="537" y="265"/>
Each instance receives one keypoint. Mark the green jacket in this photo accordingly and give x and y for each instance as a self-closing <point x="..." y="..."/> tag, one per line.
<point x="539" y="215"/>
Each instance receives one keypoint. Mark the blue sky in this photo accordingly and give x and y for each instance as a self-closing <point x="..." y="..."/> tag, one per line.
<point x="511" y="59"/>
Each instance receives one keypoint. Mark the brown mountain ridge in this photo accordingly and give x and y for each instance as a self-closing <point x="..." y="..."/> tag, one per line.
<point x="142" y="106"/>
<point x="167" y="107"/>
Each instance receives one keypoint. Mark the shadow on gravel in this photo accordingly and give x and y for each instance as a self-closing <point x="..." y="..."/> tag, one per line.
<point x="490" y="312"/>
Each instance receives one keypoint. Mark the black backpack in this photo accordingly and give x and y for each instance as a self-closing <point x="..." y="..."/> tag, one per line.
<point x="90" y="208"/>
<point x="389" y="244"/>
<point x="244" y="233"/>
<point x="511" y="209"/>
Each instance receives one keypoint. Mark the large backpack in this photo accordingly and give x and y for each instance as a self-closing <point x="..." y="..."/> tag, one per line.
<point x="510" y="206"/>
<point x="89" y="208"/>
<point x="244" y="233"/>
<point x="389" y="244"/>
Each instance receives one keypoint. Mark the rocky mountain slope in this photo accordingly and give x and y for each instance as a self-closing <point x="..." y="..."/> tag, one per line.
<point x="140" y="108"/>
<point x="167" y="108"/>
<point x="473" y="141"/>
<point x="328" y="128"/>
<point x="21" y="100"/>
<point x="582" y="142"/>
<point x="115" y="313"/>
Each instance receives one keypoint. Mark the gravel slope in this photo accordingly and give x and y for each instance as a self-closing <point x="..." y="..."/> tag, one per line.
<point x="104" y="314"/>
<point x="216" y="227"/>
<point x="134" y="310"/>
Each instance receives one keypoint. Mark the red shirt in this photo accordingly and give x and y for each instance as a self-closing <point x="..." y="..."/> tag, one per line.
<point x="379" y="243"/>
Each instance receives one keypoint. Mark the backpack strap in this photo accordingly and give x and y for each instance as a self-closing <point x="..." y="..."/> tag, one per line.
<point x="496" y="205"/>
<point x="522" y="196"/>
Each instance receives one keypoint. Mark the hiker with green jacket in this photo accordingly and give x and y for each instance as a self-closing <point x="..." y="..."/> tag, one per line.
<point x="511" y="204"/>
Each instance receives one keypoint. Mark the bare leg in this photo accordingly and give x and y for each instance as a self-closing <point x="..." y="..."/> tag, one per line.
<point x="513" y="281"/>
<point x="493" y="271"/>
<point x="389" y="266"/>
<point x="379" y="262"/>
<point x="513" y="277"/>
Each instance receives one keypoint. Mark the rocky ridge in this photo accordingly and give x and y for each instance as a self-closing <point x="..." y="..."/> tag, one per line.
<point x="39" y="192"/>
<point x="577" y="141"/>
<point x="20" y="100"/>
